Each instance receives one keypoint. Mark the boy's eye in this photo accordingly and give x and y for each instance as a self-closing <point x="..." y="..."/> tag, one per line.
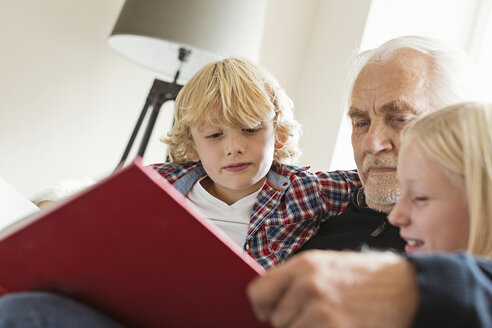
<point x="250" y="130"/>
<point x="403" y="119"/>
<point x="420" y="199"/>
<point x="214" y="135"/>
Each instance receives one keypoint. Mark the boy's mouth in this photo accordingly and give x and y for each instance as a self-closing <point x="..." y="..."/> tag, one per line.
<point x="413" y="245"/>
<point x="236" y="167"/>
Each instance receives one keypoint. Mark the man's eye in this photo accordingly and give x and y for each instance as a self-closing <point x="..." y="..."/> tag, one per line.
<point x="214" y="135"/>
<point x="361" y="124"/>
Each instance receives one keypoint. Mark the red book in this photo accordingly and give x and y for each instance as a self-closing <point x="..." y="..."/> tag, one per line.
<point x="134" y="248"/>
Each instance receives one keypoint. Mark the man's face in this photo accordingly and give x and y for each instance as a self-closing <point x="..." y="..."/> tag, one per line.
<point x="385" y="97"/>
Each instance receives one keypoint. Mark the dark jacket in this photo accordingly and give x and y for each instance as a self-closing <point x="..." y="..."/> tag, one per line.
<point x="357" y="227"/>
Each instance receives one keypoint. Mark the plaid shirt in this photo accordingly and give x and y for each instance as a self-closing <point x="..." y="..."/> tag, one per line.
<point x="288" y="209"/>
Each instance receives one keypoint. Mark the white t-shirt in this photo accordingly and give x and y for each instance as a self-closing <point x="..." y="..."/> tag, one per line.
<point x="233" y="219"/>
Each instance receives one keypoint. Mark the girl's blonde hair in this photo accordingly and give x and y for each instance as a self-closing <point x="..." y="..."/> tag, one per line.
<point x="459" y="137"/>
<point x="234" y="92"/>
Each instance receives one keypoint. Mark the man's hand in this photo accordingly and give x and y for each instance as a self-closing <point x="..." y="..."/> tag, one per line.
<point x="337" y="289"/>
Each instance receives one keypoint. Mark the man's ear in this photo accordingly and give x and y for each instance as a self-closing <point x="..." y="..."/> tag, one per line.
<point x="280" y="140"/>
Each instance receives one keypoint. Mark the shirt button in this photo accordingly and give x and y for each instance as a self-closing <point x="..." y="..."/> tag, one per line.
<point x="246" y="247"/>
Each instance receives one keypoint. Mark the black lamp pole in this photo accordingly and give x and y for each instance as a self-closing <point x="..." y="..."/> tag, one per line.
<point x="160" y="92"/>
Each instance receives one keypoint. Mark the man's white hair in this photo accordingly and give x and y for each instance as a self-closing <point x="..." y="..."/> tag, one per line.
<point x="453" y="75"/>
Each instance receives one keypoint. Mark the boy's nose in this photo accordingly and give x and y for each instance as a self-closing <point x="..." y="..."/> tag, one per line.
<point x="398" y="215"/>
<point x="234" y="145"/>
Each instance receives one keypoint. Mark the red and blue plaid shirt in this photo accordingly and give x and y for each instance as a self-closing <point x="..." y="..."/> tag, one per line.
<point x="288" y="209"/>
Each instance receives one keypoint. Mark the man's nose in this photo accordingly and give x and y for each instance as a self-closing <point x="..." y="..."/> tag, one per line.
<point x="234" y="144"/>
<point x="379" y="139"/>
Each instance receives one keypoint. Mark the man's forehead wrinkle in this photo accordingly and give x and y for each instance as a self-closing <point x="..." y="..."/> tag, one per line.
<point x="401" y="85"/>
<point x="403" y="63"/>
<point x="392" y="107"/>
<point x="356" y="112"/>
<point x="391" y="79"/>
<point x="395" y="106"/>
<point x="407" y="57"/>
<point x="387" y="79"/>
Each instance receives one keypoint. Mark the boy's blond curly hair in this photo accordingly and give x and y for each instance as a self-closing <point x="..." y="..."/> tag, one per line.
<point x="234" y="92"/>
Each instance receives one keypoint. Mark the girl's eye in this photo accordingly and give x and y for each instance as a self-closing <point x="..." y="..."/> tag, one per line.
<point x="250" y="130"/>
<point x="421" y="199"/>
<point x="214" y="135"/>
<point x="404" y="119"/>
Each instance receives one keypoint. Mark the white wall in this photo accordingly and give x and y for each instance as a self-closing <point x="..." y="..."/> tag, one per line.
<point x="309" y="57"/>
<point x="337" y="31"/>
<point x="68" y="103"/>
<point x="285" y="42"/>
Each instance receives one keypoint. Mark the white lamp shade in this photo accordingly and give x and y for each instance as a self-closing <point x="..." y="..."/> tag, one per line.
<point x="150" y="32"/>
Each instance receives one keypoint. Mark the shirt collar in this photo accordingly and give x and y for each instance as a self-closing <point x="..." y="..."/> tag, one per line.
<point x="187" y="181"/>
<point x="360" y="197"/>
<point x="278" y="181"/>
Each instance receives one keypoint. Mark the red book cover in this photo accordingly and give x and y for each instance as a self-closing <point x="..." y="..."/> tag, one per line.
<point x="134" y="248"/>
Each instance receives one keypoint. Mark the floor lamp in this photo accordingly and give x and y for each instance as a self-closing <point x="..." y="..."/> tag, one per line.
<point x="160" y="92"/>
<point x="178" y="37"/>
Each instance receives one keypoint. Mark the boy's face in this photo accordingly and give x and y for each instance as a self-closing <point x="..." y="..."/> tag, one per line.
<point x="236" y="159"/>
<point x="432" y="211"/>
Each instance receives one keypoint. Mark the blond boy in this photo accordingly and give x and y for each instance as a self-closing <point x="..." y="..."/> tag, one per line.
<point x="233" y="138"/>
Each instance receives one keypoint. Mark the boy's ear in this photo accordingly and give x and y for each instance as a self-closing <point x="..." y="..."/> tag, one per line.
<point x="194" y="156"/>
<point x="280" y="140"/>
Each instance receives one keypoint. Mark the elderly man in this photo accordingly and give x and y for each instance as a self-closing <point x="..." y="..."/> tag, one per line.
<point x="389" y="86"/>
<point x="392" y="84"/>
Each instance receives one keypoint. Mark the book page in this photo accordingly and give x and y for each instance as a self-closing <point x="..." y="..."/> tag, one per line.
<point x="13" y="205"/>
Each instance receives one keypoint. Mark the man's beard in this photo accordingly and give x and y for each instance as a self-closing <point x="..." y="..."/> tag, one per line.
<point x="382" y="188"/>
